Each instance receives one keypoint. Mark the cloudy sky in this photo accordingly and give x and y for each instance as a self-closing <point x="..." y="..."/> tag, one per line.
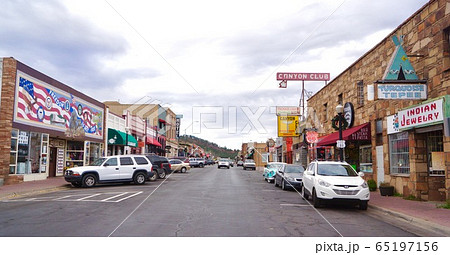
<point x="212" y="61"/>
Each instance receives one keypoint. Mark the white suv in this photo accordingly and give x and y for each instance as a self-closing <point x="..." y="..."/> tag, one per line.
<point x="329" y="180"/>
<point x="123" y="168"/>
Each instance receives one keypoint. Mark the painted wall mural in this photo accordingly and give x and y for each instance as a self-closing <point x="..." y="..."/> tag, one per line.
<point x="43" y="105"/>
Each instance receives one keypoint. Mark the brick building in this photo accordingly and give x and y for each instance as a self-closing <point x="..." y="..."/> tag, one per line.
<point x="397" y="95"/>
<point x="45" y="125"/>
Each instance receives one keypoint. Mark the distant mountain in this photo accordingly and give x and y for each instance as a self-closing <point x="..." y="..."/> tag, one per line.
<point x="209" y="147"/>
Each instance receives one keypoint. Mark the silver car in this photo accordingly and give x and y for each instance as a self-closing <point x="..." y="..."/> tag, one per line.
<point x="289" y="176"/>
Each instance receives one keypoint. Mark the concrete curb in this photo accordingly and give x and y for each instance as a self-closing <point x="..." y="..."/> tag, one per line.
<point x="32" y="192"/>
<point x="412" y="224"/>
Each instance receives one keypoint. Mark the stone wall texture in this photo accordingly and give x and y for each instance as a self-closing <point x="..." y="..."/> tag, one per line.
<point x="425" y="41"/>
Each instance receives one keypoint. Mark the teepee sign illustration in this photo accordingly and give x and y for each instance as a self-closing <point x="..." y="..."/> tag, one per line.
<point x="400" y="80"/>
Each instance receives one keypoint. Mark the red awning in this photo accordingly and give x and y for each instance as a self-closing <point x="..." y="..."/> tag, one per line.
<point x="154" y="141"/>
<point x="358" y="133"/>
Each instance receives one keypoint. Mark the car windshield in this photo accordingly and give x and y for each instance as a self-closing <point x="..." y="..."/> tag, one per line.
<point x="98" y="162"/>
<point x="223" y="160"/>
<point x="336" y="170"/>
<point x="294" y="169"/>
<point x="250" y="161"/>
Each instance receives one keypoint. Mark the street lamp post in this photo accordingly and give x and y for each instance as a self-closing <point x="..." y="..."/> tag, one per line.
<point x="340" y="110"/>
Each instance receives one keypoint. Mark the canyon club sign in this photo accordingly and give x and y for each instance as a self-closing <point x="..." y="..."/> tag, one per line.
<point x="303" y="76"/>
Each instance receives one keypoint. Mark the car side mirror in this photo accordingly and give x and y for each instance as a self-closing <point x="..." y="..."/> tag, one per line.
<point x="361" y="174"/>
<point x="106" y="164"/>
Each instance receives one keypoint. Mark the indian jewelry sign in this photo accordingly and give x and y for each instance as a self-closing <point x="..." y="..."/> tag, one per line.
<point x="426" y="114"/>
<point x="421" y="115"/>
<point x="402" y="91"/>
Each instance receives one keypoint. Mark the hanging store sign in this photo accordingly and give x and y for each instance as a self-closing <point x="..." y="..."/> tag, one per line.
<point x="303" y="76"/>
<point x="422" y="115"/>
<point x="288" y="126"/>
<point x="177" y="127"/>
<point x="402" y="91"/>
<point x="426" y="114"/>
<point x="288" y="110"/>
<point x="349" y="114"/>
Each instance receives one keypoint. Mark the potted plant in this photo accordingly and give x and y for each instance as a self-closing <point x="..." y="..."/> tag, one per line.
<point x="372" y="185"/>
<point x="386" y="189"/>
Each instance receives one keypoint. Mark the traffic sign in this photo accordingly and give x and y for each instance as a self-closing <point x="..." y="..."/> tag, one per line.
<point x="340" y="143"/>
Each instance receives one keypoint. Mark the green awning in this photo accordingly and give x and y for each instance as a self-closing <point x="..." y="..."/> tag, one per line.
<point x="116" y="137"/>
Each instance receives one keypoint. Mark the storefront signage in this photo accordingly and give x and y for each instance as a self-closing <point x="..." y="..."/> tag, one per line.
<point x="288" y="126"/>
<point x="312" y="137"/>
<point x="421" y="115"/>
<point x="361" y="135"/>
<point x="288" y="110"/>
<point x="402" y="91"/>
<point x="303" y="76"/>
<point x="177" y="127"/>
<point x="42" y="105"/>
<point x="349" y="114"/>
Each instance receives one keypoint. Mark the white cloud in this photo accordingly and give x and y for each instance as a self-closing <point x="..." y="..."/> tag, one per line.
<point x="198" y="52"/>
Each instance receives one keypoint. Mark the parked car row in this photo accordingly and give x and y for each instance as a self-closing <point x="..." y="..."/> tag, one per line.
<point x="322" y="181"/>
<point x="124" y="168"/>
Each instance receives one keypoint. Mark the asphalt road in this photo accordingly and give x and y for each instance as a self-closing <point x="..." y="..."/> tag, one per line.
<point x="201" y="203"/>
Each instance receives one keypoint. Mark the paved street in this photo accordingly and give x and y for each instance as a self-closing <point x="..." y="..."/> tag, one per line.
<point x="204" y="202"/>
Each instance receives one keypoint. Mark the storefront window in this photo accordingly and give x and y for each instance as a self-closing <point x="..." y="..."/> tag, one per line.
<point x="25" y="155"/>
<point x="74" y="154"/>
<point x="13" y="153"/>
<point x="435" y="152"/>
<point x="399" y="153"/>
<point x="365" y="158"/>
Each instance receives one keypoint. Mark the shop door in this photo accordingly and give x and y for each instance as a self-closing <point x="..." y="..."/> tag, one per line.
<point x="52" y="166"/>
<point x="380" y="165"/>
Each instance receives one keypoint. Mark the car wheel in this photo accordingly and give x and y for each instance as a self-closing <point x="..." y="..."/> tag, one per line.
<point x="245" y="168"/>
<point x="76" y="184"/>
<point x="316" y="201"/>
<point x="363" y="205"/>
<point x="139" y="178"/>
<point x="183" y="170"/>
<point x="89" y="181"/>
<point x="201" y="165"/>
<point x="283" y="185"/>
<point x="162" y="175"/>
<point x="304" y="195"/>
<point x="154" y="177"/>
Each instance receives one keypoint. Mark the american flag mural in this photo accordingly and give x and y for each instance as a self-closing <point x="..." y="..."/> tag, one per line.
<point x="43" y="106"/>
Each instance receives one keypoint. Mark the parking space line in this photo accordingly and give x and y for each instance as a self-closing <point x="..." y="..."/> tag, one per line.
<point x="98" y="194"/>
<point x="135" y="194"/>
<point x="59" y="198"/>
<point x="109" y="198"/>
<point x="296" y="205"/>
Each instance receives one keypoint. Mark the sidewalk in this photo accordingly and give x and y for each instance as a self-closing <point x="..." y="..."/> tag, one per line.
<point x="33" y="187"/>
<point x="419" y="214"/>
<point x="413" y="214"/>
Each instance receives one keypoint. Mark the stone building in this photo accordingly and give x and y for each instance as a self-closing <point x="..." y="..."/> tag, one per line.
<point x="396" y="95"/>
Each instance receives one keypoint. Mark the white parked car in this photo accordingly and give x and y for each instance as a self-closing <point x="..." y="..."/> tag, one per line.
<point x="249" y="164"/>
<point x="223" y="162"/>
<point x="123" y="168"/>
<point x="334" y="181"/>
